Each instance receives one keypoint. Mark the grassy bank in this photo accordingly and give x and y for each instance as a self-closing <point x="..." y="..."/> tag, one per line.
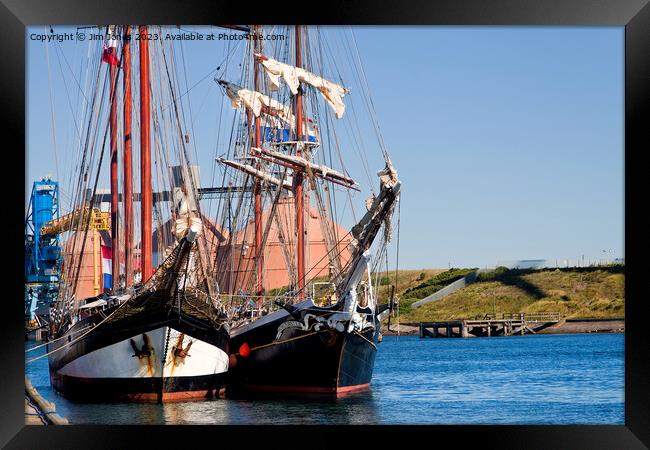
<point x="575" y="293"/>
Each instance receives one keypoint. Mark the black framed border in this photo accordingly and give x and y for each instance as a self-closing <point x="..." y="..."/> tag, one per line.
<point x="634" y="15"/>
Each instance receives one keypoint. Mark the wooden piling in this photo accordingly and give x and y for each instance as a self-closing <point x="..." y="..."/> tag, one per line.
<point x="508" y="325"/>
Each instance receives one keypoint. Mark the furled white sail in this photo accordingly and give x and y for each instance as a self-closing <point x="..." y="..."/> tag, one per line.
<point x="318" y="169"/>
<point x="246" y="168"/>
<point x="275" y="114"/>
<point x="254" y="101"/>
<point x="292" y="76"/>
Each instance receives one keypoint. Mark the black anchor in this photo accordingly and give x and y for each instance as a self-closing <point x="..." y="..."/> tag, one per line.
<point x="145" y="351"/>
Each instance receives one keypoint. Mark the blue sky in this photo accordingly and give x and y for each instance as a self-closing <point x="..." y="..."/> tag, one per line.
<point x="508" y="140"/>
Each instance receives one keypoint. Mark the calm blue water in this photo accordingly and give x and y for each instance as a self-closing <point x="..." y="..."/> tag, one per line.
<point x="538" y="379"/>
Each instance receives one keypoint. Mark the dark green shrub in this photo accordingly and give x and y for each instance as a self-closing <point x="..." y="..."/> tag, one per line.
<point x="493" y="275"/>
<point x="436" y="283"/>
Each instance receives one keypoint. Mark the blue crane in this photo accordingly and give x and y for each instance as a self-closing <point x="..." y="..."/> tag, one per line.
<point x="42" y="253"/>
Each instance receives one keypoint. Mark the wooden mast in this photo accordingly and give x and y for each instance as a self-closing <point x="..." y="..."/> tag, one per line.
<point x="258" y="189"/>
<point x="299" y="196"/>
<point x="115" y="260"/>
<point x="145" y="157"/>
<point x="127" y="158"/>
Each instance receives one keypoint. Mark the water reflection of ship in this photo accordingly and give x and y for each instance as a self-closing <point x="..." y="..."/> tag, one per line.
<point x="218" y="412"/>
<point x="359" y="408"/>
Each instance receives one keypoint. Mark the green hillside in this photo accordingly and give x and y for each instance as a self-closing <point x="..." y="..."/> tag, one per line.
<point x="596" y="292"/>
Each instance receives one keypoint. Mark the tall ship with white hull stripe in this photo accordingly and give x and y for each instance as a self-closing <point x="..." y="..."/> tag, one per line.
<point x="145" y="335"/>
<point x="162" y="343"/>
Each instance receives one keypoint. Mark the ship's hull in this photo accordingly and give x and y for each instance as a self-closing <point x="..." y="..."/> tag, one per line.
<point x="109" y="365"/>
<point x="294" y="361"/>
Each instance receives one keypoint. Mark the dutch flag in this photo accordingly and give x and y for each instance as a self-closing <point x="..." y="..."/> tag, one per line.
<point x="107" y="259"/>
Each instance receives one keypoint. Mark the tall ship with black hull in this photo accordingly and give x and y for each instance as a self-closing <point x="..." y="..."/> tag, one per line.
<point x="306" y="349"/>
<point x="145" y="335"/>
<point x="305" y="309"/>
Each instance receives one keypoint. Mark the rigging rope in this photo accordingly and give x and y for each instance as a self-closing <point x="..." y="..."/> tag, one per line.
<point x="51" y="92"/>
<point x="399" y="217"/>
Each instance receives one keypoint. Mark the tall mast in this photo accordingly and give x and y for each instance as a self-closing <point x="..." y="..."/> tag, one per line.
<point x="258" y="188"/>
<point x="145" y="157"/>
<point x="299" y="197"/>
<point x="115" y="260"/>
<point x="128" y="171"/>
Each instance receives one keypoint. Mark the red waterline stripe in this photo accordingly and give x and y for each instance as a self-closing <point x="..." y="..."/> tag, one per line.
<point x="355" y="388"/>
<point x="151" y="397"/>
<point x="309" y="389"/>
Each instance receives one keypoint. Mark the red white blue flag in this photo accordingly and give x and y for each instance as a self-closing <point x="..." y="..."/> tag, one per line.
<point x="107" y="260"/>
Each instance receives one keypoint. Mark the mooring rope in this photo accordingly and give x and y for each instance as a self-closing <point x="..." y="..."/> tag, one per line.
<point x="282" y="342"/>
<point x="365" y="339"/>
<point x="80" y="337"/>
<point x="55" y="340"/>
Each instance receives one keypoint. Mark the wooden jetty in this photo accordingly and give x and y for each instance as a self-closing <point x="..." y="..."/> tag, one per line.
<point x="39" y="411"/>
<point x="32" y="415"/>
<point x="507" y="324"/>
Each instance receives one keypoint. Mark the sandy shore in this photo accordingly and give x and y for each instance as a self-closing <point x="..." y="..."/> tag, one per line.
<point x="404" y="329"/>
<point x="586" y="326"/>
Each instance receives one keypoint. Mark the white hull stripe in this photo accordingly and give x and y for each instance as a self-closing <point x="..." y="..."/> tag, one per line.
<point x="117" y="360"/>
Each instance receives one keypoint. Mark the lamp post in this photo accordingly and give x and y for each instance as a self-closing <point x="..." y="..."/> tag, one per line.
<point x="610" y="252"/>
